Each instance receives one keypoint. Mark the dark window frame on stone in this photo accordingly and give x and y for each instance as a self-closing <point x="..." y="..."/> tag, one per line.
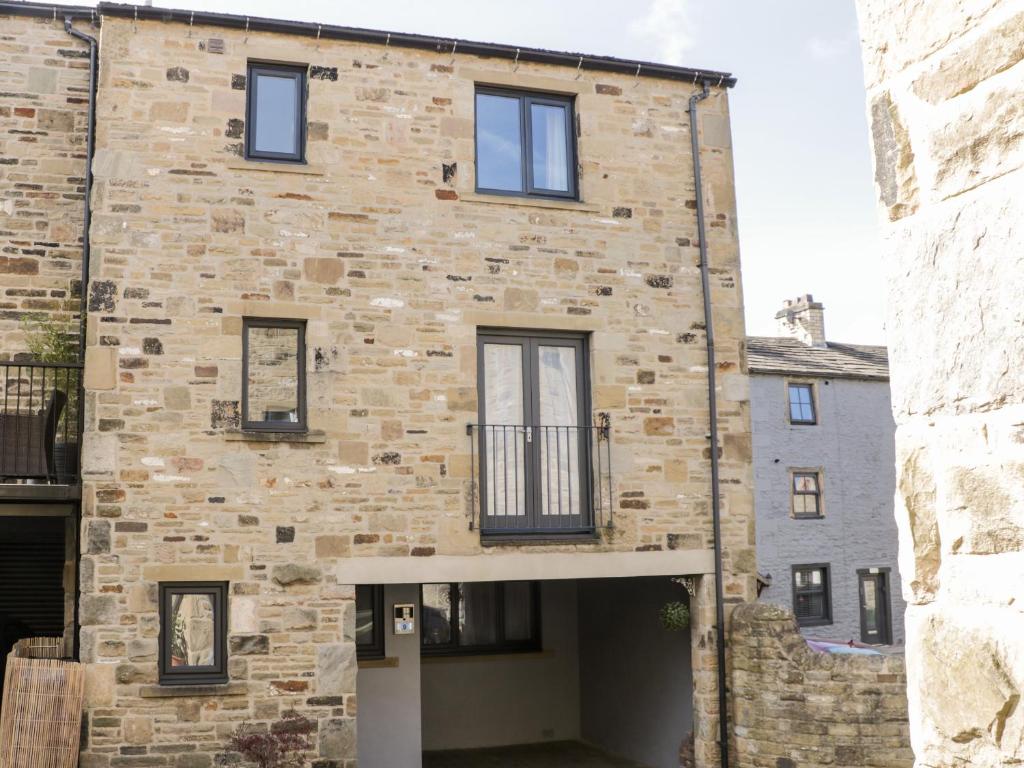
<point x="370" y="597"/>
<point x="801" y="496"/>
<point x="256" y="71"/>
<point x="454" y="646"/>
<point x="213" y="674"/>
<point x="809" y="590"/>
<point x="527" y="100"/>
<point x="803" y="411"/>
<point x="270" y="425"/>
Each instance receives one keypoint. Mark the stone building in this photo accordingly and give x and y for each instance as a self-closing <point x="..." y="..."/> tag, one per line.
<point x="945" y="87"/>
<point x="824" y="479"/>
<point x="395" y="386"/>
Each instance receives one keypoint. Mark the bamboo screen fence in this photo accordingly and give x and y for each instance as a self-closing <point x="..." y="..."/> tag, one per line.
<point x="41" y="713"/>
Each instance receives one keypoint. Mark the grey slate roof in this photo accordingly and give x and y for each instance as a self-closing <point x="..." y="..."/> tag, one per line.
<point x="789" y="357"/>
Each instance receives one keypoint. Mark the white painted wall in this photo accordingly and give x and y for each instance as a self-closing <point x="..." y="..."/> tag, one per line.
<point x="481" y="701"/>
<point x="853" y="444"/>
<point x="636" y="677"/>
<point x="388" y="699"/>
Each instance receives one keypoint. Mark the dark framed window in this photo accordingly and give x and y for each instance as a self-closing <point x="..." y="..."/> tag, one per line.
<point x="369" y="621"/>
<point x="812" y="595"/>
<point x="875" y="612"/>
<point x="525" y="143"/>
<point x="534" y="433"/>
<point x="807" y="494"/>
<point x="275" y="113"/>
<point x="193" y="633"/>
<point x="274" y="374"/>
<point x="801" y="404"/>
<point x="480" y="617"/>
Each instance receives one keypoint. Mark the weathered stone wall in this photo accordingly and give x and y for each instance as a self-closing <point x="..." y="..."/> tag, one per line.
<point x="946" y="101"/>
<point x="394" y="265"/>
<point x="44" y="91"/>
<point x="797" y="708"/>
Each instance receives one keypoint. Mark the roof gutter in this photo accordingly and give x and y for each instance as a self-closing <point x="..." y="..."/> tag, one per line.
<point x="398" y="39"/>
<point x="716" y="500"/>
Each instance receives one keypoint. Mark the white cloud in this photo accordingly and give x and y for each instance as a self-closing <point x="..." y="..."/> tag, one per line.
<point x="669" y="27"/>
<point x="823" y="49"/>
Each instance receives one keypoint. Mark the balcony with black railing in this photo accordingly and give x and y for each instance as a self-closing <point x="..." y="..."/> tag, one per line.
<point x="540" y="481"/>
<point x="40" y="429"/>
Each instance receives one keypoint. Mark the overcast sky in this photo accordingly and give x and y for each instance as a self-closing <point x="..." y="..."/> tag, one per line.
<point x="803" y="168"/>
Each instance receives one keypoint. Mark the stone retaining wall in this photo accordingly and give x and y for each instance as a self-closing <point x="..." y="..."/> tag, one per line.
<point x="797" y="708"/>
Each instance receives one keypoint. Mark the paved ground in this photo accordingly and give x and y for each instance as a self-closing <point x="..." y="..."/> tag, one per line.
<point x="561" y="754"/>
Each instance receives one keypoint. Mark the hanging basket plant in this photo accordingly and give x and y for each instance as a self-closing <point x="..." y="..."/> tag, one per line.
<point x="675" y="616"/>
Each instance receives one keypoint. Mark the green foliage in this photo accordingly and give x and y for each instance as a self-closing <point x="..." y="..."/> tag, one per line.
<point x="50" y="340"/>
<point x="675" y="616"/>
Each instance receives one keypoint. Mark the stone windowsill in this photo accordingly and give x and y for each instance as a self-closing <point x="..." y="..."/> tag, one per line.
<point x="389" y="662"/>
<point x="306" y="169"/>
<point x="188" y="691"/>
<point x="456" y="658"/>
<point x="259" y="436"/>
<point x="534" y="202"/>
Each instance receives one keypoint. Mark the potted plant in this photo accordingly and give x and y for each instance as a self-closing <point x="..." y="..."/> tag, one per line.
<point x="53" y="339"/>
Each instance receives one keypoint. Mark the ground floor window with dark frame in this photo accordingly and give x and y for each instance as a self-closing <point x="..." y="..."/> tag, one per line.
<point x="875" y="614"/>
<point x="480" y="617"/>
<point x="193" y="633"/>
<point x="369" y="621"/>
<point x="535" y="438"/>
<point x="812" y="595"/>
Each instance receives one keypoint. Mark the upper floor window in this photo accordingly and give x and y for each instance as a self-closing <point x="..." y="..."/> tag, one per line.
<point x="801" y="404"/>
<point x="806" y="494"/>
<point x="274" y="374"/>
<point x="812" y="595"/>
<point x="534" y="438"/>
<point x="369" y="621"/>
<point x="275" y="120"/>
<point x="480" y="617"/>
<point x="525" y="144"/>
<point x="193" y="633"/>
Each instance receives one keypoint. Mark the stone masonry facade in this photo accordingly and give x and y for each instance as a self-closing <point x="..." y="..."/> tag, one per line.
<point x="797" y="708"/>
<point x="44" y="89"/>
<point x="945" y="93"/>
<point x="380" y="244"/>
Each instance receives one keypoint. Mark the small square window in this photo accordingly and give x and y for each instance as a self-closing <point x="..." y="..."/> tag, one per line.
<point x="275" y="122"/>
<point x="369" y="621"/>
<point x="274" y="375"/>
<point x="193" y="633"/>
<point x="801" y="404"/>
<point x="812" y="595"/>
<point x="806" y="494"/>
<point x="525" y="144"/>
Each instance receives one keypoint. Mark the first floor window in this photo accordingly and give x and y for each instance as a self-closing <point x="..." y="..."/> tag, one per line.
<point x="806" y="494"/>
<point x="193" y="633"/>
<point x="801" y="404"/>
<point x="273" y="374"/>
<point x="480" y="617"/>
<point x="369" y="621"/>
<point x="812" y="595"/>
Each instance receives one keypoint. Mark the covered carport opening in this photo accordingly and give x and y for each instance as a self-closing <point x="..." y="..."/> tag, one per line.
<point x="608" y="686"/>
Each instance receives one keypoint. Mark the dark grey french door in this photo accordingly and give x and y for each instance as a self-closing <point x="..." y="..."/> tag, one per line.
<point x="875" y="618"/>
<point x="534" y="435"/>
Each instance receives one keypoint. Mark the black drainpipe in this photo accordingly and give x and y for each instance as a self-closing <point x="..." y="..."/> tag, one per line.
<point x="716" y="519"/>
<point x="90" y="141"/>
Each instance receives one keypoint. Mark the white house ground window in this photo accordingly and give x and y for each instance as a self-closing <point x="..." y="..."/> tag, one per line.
<point x="812" y="595"/>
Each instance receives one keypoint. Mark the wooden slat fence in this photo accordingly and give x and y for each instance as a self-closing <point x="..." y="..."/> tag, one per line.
<point x="41" y="714"/>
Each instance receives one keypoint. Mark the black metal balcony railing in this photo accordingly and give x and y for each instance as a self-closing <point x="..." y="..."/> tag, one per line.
<point x="530" y="480"/>
<point x="40" y="429"/>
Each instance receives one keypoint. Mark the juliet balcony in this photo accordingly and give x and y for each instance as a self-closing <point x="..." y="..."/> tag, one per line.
<point x="536" y="482"/>
<point x="40" y="430"/>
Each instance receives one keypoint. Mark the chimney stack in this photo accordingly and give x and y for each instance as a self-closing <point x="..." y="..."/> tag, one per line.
<point x="803" y="318"/>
